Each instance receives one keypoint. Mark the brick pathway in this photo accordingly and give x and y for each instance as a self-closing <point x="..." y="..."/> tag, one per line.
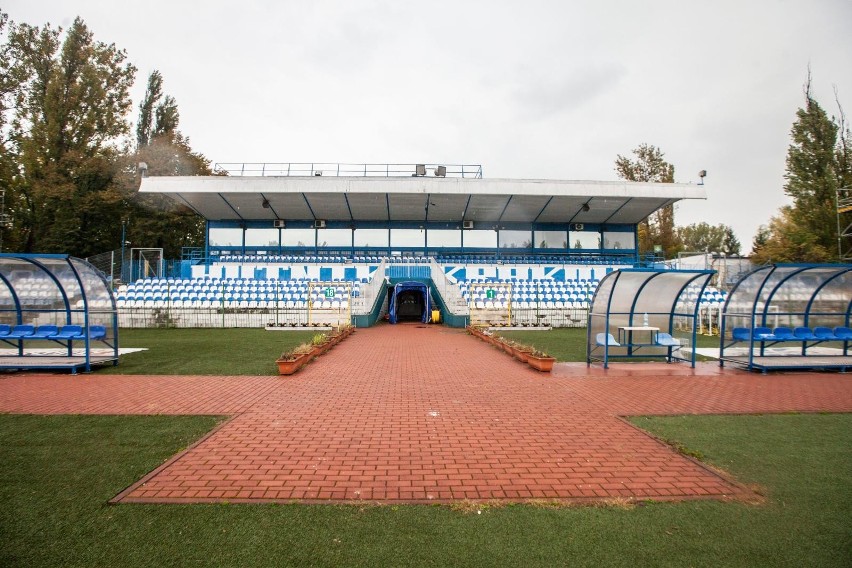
<point x="421" y="414"/>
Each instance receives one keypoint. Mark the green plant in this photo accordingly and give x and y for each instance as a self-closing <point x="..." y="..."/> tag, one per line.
<point x="296" y="352"/>
<point x="319" y="339"/>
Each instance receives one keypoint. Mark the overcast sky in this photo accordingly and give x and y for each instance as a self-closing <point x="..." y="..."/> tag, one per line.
<point x="527" y="89"/>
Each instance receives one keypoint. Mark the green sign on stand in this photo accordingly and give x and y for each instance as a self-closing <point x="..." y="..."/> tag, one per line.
<point x="490" y="294"/>
<point x="329" y="292"/>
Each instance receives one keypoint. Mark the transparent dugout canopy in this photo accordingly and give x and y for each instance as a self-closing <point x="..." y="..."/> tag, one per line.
<point x="657" y="301"/>
<point x="790" y="295"/>
<point x="60" y="290"/>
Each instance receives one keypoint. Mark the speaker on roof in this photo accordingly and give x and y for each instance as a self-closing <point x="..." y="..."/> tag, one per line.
<point x="467" y="224"/>
<point x="319" y="224"/>
<point x="278" y="223"/>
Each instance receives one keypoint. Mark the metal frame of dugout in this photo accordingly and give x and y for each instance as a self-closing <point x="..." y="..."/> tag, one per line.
<point x="645" y="314"/>
<point x="803" y="299"/>
<point x="49" y="303"/>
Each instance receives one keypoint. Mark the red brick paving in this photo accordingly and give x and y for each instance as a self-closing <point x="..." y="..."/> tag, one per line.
<point x="411" y="413"/>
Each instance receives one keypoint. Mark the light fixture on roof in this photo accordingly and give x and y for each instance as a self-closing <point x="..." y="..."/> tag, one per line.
<point x="585" y="207"/>
<point x="701" y="175"/>
<point x="441" y="171"/>
<point x="265" y="203"/>
<point x="420" y="169"/>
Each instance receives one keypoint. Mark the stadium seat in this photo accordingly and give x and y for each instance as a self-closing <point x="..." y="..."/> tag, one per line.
<point x="666" y="340"/>
<point x="70" y="332"/>
<point x="804" y="334"/>
<point x="44" y="332"/>
<point x="825" y="334"/>
<point x="21" y="332"/>
<point x="606" y="339"/>
<point x="784" y="334"/>
<point x="843" y="333"/>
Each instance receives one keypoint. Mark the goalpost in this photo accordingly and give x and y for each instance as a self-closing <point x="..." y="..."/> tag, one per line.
<point x="146" y="263"/>
<point x="329" y="303"/>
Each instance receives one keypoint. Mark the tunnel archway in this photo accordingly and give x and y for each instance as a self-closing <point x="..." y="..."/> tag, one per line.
<point x="409" y="301"/>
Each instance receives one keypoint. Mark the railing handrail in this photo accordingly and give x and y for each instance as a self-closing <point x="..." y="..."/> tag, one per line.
<point x="339" y="169"/>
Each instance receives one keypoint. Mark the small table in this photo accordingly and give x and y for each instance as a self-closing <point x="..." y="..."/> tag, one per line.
<point x="625" y="336"/>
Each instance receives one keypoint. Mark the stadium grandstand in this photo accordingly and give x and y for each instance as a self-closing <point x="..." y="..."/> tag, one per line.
<point x="320" y="244"/>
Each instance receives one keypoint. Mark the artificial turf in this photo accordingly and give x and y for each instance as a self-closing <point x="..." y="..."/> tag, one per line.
<point x="58" y="472"/>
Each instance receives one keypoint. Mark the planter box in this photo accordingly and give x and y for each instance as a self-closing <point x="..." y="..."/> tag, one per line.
<point x="521" y="355"/>
<point x="290" y="366"/>
<point x="543" y="364"/>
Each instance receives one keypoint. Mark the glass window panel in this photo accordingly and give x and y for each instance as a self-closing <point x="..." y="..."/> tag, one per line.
<point x="551" y="239"/>
<point x="585" y="239"/>
<point x="371" y="238"/>
<point x="298" y="237"/>
<point x="408" y="238"/>
<point x="444" y="238"/>
<point x="226" y="237"/>
<point x="618" y="240"/>
<point x="334" y="237"/>
<point x="262" y="237"/>
<point x="480" y="239"/>
<point x="516" y="239"/>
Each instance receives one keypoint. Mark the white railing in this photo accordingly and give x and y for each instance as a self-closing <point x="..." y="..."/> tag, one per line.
<point x="449" y="291"/>
<point x="363" y="304"/>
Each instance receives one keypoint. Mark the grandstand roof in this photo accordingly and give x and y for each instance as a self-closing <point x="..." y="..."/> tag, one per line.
<point x="419" y="198"/>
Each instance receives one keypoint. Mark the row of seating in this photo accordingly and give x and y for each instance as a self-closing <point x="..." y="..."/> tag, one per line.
<point x="51" y="332"/>
<point x="798" y="334"/>
<point x="294" y="303"/>
<point x="661" y="339"/>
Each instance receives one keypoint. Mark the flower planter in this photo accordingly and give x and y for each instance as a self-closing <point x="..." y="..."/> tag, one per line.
<point x="522" y="355"/>
<point x="290" y="366"/>
<point x="543" y="364"/>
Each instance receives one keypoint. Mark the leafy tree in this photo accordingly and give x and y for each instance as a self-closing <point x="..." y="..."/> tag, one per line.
<point x="701" y="237"/>
<point x="156" y="221"/>
<point x="70" y="96"/>
<point x="649" y="165"/>
<point x="782" y="241"/>
<point x="817" y="165"/>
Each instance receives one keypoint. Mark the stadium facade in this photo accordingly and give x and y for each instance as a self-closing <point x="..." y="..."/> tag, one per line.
<point x="354" y="223"/>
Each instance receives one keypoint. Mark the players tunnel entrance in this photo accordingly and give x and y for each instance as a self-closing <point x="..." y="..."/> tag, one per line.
<point x="409" y="301"/>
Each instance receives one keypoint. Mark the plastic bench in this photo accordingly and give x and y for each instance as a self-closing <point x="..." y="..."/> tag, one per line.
<point x="667" y="340"/>
<point x="843" y="333"/>
<point x="44" y="332"/>
<point x="825" y="334"/>
<point x="21" y="332"/>
<point x="70" y="332"/>
<point x="606" y="339"/>
<point x="804" y="334"/>
<point x="784" y="334"/>
<point x="5" y="329"/>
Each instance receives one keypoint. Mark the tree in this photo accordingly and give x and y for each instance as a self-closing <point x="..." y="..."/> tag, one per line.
<point x="782" y="241"/>
<point x="152" y="220"/>
<point x="703" y="237"/>
<point x="71" y="97"/>
<point x="650" y="165"/>
<point x="817" y="165"/>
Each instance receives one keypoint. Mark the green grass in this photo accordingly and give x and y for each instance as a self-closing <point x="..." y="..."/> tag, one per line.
<point x="204" y="351"/>
<point x="59" y="471"/>
<point x="569" y="344"/>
